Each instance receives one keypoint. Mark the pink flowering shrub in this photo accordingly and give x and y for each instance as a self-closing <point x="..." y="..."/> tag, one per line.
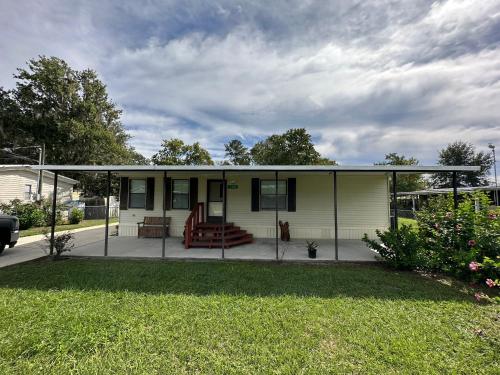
<point x="488" y="271"/>
<point x="464" y="242"/>
<point x="474" y="266"/>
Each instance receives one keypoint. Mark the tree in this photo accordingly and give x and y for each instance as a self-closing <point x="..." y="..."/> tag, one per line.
<point x="405" y="182"/>
<point x="238" y="154"/>
<point x="463" y="153"/>
<point x="175" y="152"/>
<point x="70" y="112"/>
<point x="10" y="116"/>
<point x="294" y="147"/>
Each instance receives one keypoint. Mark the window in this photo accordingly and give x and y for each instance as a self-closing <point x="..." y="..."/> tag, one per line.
<point x="27" y="192"/>
<point x="137" y="197"/>
<point x="180" y="194"/>
<point x="268" y="195"/>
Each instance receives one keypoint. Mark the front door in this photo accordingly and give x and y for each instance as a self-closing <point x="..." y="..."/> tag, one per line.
<point x="214" y="201"/>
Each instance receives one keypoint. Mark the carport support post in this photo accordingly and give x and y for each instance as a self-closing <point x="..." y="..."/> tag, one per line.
<point x="335" y="215"/>
<point x="106" y="230"/>
<point x="53" y="218"/>
<point x="455" y="191"/>
<point x="164" y="233"/>
<point x="276" y="209"/>
<point x="395" y="199"/>
<point x="223" y="212"/>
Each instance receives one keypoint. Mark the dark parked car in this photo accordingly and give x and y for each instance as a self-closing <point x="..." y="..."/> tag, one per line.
<point x="9" y="231"/>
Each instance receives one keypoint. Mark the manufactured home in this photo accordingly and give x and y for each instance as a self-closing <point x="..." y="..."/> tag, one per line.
<point x="305" y="199"/>
<point x="188" y="208"/>
<point x="22" y="182"/>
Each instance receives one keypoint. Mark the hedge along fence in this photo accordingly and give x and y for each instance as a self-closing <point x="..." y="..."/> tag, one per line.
<point x="464" y="242"/>
<point x="33" y="214"/>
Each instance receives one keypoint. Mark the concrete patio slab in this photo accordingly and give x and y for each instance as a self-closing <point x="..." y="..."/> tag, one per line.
<point x="261" y="249"/>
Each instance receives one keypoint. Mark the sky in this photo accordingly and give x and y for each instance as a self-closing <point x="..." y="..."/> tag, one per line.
<point x="365" y="78"/>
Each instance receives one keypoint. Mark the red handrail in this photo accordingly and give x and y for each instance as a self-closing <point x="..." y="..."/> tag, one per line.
<point x="195" y="217"/>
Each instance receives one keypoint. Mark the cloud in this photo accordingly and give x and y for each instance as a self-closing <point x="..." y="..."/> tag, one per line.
<point x="365" y="78"/>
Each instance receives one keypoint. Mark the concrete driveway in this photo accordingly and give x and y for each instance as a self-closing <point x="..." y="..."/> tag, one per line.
<point x="32" y="247"/>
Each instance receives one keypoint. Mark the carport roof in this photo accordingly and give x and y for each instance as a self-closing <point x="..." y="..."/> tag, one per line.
<point x="260" y="168"/>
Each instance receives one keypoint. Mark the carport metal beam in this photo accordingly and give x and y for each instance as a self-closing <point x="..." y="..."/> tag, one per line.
<point x="54" y="210"/>
<point x="335" y="215"/>
<point x="223" y="212"/>
<point x="395" y="199"/>
<point x="164" y="232"/>
<point x="455" y="191"/>
<point x="106" y="230"/>
<point x="276" y="211"/>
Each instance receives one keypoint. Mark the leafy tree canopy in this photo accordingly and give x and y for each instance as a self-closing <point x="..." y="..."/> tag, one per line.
<point x="70" y="112"/>
<point x="406" y="182"/>
<point x="463" y="153"/>
<point x="175" y="152"/>
<point x="294" y="147"/>
<point x="237" y="153"/>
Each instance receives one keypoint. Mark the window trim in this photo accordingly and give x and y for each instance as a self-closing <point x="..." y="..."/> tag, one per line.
<point x="188" y="194"/>
<point x="28" y="195"/>
<point x="130" y="193"/>
<point x="285" y="195"/>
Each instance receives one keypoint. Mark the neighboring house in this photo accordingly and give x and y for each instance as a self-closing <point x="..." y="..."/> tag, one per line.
<point x="305" y="199"/>
<point x="21" y="182"/>
<point x="414" y="199"/>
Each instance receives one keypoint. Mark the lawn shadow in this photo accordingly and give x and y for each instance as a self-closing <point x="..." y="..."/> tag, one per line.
<point x="228" y="278"/>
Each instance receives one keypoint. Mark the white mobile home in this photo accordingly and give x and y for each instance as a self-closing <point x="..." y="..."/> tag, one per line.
<point x="305" y="201"/>
<point x="195" y="210"/>
<point x="21" y="182"/>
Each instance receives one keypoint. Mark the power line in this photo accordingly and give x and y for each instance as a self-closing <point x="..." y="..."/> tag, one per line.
<point x="13" y="155"/>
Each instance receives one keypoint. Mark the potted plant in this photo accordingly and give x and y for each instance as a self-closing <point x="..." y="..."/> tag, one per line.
<point x="312" y="248"/>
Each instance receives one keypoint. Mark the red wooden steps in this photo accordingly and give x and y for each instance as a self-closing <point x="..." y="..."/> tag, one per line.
<point x="210" y="235"/>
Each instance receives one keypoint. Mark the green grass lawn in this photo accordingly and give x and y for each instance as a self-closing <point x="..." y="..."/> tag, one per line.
<point x="63" y="227"/>
<point x="105" y="316"/>
<point x="405" y="221"/>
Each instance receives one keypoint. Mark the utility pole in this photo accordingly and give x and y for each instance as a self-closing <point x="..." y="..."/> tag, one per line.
<point x="41" y="161"/>
<point x="492" y="147"/>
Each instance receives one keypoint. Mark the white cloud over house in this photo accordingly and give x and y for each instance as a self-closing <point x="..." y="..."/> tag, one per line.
<point x="365" y="78"/>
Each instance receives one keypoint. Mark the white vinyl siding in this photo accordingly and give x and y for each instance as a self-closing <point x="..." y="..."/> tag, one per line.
<point x="363" y="204"/>
<point x="129" y="218"/>
<point x="13" y="186"/>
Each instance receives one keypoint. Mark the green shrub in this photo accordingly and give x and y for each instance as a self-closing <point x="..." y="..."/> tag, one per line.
<point x="62" y="243"/>
<point x="46" y="206"/>
<point x="488" y="271"/>
<point x="75" y="216"/>
<point x="401" y="249"/>
<point x="452" y="239"/>
<point x="29" y="214"/>
<point x="33" y="214"/>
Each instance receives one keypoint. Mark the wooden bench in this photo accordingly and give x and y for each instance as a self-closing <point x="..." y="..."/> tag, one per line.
<point x="152" y="226"/>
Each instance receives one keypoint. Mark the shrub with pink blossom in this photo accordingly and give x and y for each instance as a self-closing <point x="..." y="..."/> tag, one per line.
<point x="455" y="241"/>
<point x="462" y="242"/>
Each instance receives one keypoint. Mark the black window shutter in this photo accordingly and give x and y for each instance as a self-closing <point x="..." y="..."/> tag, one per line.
<point x="123" y="193"/>
<point x="150" y="193"/>
<point x="292" y="194"/>
<point x="255" y="194"/>
<point x="193" y="192"/>
<point x="167" y="190"/>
